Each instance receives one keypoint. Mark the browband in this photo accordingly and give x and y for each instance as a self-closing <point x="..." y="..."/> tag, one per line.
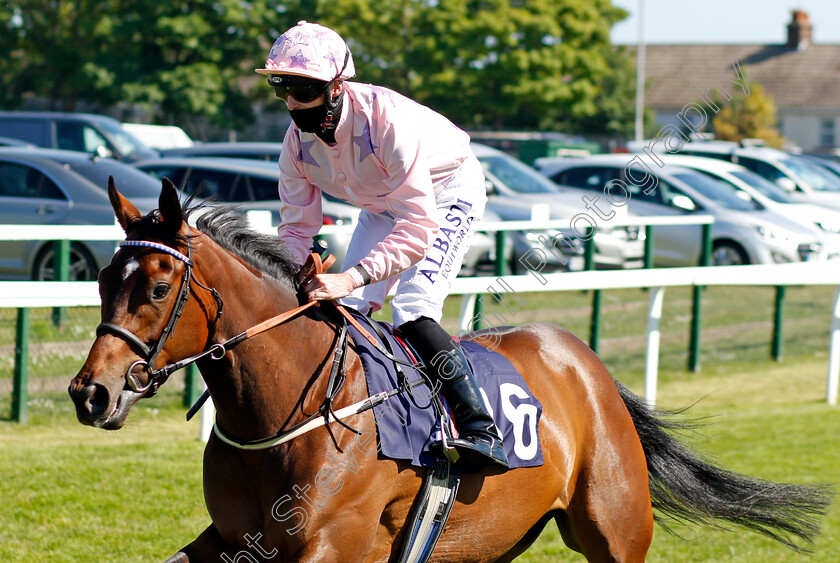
<point x="158" y="246"/>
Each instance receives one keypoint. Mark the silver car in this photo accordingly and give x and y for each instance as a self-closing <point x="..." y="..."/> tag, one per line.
<point x="744" y="232"/>
<point x="748" y="185"/>
<point x="36" y="191"/>
<point x="514" y="188"/>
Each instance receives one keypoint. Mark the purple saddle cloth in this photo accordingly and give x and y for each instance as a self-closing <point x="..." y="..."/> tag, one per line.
<point x="406" y="430"/>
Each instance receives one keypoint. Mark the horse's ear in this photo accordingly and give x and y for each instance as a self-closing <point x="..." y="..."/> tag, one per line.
<point x="169" y="206"/>
<point x="125" y="211"/>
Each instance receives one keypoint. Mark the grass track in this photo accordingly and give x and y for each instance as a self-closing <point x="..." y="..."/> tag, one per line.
<point x="72" y="493"/>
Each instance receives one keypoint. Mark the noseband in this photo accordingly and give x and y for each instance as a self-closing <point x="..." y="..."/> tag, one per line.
<point x="158" y="377"/>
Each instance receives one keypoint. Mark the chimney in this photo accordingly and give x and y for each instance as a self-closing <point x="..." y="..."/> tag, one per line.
<point x="799" y="31"/>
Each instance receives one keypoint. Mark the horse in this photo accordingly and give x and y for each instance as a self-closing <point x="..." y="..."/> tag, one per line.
<point x="173" y="293"/>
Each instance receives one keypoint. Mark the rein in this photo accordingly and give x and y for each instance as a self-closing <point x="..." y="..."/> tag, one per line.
<point x="158" y="377"/>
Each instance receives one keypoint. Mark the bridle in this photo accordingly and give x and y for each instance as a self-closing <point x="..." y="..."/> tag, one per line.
<point x="158" y="377"/>
<point x="217" y="351"/>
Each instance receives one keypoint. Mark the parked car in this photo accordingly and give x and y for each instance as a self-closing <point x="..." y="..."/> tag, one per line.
<point x="36" y="191"/>
<point x="12" y="142"/>
<point x="830" y="164"/>
<point x="514" y="188"/>
<point x="480" y="259"/>
<point x="805" y="180"/>
<point x="749" y="185"/>
<point x="744" y="232"/>
<point x="540" y="250"/>
<point x="84" y="132"/>
<point x="258" y="151"/>
<point x="136" y="185"/>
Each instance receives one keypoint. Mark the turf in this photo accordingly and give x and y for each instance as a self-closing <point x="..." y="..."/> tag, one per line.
<point x="73" y="493"/>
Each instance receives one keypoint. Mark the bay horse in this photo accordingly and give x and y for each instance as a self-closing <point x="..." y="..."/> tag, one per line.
<point x="609" y="458"/>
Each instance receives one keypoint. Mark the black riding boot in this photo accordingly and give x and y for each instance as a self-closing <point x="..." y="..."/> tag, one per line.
<point x="479" y="443"/>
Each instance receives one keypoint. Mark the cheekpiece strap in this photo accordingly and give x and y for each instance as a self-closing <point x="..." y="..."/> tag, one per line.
<point x="158" y="246"/>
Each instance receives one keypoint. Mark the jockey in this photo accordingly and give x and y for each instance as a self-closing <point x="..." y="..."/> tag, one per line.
<point x="422" y="194"/>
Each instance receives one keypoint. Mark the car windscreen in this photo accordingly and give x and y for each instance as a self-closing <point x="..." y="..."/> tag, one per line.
<point x="764" y="187"/>
<point x="126" y="143"/>
<point x="816" y="178"/>
<point x="718" y="192"/>
<point x="518" y="176"/>
<point x="130" y="181"/>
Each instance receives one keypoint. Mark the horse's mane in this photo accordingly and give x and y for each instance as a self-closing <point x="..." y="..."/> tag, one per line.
<point x="230" y="229"/>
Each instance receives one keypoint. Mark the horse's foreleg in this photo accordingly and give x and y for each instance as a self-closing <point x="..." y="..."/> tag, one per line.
<point x="208" y="546"/>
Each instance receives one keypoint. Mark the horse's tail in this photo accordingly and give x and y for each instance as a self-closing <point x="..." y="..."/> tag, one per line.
<point x="685" y="488"/>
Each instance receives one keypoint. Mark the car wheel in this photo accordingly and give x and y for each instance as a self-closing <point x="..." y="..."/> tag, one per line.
<point x="82" y="265"/>
<point x="728" y="253"/>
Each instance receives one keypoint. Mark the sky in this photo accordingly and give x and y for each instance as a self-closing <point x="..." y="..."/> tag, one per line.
<point x="724" y="21"/>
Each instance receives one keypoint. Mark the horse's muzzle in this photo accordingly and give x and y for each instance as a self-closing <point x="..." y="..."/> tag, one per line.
<point x="92" y="402"/>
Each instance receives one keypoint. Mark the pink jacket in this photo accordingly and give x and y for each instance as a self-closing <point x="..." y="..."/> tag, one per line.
<point x="392" y="155"/>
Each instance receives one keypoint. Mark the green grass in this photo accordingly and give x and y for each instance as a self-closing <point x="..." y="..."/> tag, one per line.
<point x="73" y="493"/>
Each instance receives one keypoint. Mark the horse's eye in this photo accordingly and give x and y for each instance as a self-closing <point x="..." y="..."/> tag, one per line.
<point x="160" y="291"/>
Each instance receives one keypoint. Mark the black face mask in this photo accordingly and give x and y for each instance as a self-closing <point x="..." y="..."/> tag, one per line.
<point x="310" y="120"/>
<point x="321" y="120"/>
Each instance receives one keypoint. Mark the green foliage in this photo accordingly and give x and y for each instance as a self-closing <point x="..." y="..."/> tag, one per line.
<point x="523" y="64"/>
<point x="506" y="64"/>
<point x="748" y="117"/>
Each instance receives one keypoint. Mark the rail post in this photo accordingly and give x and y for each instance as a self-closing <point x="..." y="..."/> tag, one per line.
<point x="61" y="272"/>
<point x="20" y="385"/>
<point x="192" y="385"/>
<point x="652" y="349"/>
<point x="834" y="352"/>
<point x="500" y="253"/>
<point x="648" y="246"/>
<point x="697" y="295"/>
<point x="589" y="264"/>
<point x="776" y="347"/>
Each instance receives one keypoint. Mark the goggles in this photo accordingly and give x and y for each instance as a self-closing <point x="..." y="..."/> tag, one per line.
<point x="302" y="91"/>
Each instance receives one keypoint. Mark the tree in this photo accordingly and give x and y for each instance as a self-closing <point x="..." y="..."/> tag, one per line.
<point x="528" y="64"/>
<point x="749" y="117"/>
<point x="616" y="100"/>
<point x="51" y="43"/>
<point x="516" y="64"/>
<point x="176" y="60"/>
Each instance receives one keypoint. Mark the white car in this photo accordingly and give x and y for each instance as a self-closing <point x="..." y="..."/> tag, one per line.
<point x="804" y="180"/>
<point x="750" y="185"/>
<point x="744" y="232"/>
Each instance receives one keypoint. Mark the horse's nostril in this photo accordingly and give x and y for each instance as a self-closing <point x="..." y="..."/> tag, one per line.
<point x="97" y="399"/>
<point x="91" y="401"/>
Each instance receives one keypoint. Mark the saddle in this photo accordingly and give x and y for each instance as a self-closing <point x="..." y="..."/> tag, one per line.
<point x="437" y="494"/>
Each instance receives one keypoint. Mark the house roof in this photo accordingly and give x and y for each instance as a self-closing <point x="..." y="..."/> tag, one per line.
<point x="808" y="78"/>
